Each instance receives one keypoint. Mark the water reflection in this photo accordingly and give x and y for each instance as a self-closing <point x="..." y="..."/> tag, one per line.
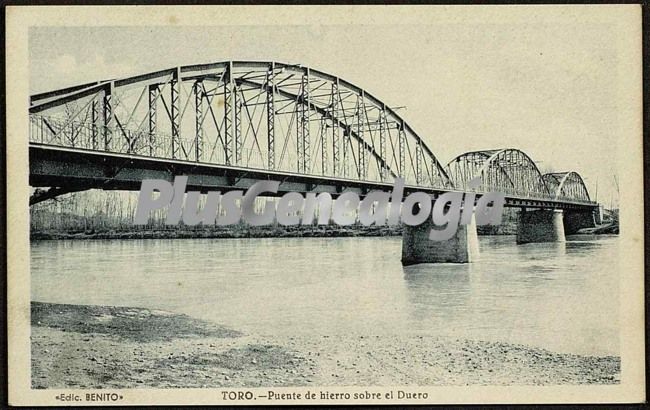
<point x="544" y="250"/>
<point x="437" y="291"/>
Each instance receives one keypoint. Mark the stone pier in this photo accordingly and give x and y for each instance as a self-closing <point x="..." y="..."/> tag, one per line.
<point x="576" y="220"/>
<point x="540" y="226"/>
<point x="418" y="248"/>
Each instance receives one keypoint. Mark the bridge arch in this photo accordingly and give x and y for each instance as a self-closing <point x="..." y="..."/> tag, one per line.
<point x="508" y="170"/>
<point x="255" y="114"/>
<point x="568" y="186"/>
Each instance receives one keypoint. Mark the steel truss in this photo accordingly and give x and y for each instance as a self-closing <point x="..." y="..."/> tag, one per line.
<point x="513" y="172"/>
<point x="261" y="115"/>
<point x="567" y="186"/>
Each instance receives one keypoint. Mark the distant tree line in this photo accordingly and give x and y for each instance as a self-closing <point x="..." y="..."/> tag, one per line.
<point x="105" y="211"/>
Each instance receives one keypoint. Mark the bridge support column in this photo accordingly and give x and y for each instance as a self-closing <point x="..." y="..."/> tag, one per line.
<point x="418" y="248"/>
<point x="540" y="226"/>
<point x="576" y="220"/>
<point x="598" y="215"/>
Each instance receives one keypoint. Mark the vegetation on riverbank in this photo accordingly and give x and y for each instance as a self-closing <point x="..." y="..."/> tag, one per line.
<point x="77" y="219"/>
<point x="233" y="231"/>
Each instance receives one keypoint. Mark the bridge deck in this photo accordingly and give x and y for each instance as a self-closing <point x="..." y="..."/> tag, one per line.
<point x="84" y="169"/>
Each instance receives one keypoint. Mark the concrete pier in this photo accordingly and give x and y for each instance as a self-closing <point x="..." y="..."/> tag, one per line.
<point x="540" y="226"/>
<point x="418" y="248"/>
<point x="598" y="215"/>
<point x="576" y="220"/>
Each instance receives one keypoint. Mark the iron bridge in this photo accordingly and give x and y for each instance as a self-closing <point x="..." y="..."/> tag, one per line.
<point x="229" y="124"/>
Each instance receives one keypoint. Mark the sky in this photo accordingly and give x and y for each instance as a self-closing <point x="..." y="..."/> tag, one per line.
<point x="547" y="89"/>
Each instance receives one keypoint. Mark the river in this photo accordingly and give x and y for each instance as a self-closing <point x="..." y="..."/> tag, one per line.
<point x="557" y="296"/>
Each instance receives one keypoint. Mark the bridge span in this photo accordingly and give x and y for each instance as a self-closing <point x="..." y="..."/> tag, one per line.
<point x="229" y="124"/>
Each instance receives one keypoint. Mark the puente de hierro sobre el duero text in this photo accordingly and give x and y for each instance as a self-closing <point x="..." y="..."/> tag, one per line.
<point x="227" y="125"/>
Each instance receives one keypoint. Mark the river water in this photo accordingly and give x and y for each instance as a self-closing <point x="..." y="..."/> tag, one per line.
<point x="558" y="296"/>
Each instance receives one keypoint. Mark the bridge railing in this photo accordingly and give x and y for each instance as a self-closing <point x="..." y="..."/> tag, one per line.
<point x="73" y="134"/>
<point x="60" y="132"/>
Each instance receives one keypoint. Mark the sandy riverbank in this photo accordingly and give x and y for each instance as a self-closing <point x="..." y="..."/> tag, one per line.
<point x="116" y="347"/>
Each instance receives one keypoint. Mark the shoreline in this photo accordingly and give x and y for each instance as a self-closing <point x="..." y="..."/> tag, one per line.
<point x="329" y="232"/>
<point x="324" y="231"/>
<point x="87" y="346"/>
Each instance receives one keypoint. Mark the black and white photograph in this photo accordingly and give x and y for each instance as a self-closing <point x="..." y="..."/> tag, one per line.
<point x="326" y="205"/>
